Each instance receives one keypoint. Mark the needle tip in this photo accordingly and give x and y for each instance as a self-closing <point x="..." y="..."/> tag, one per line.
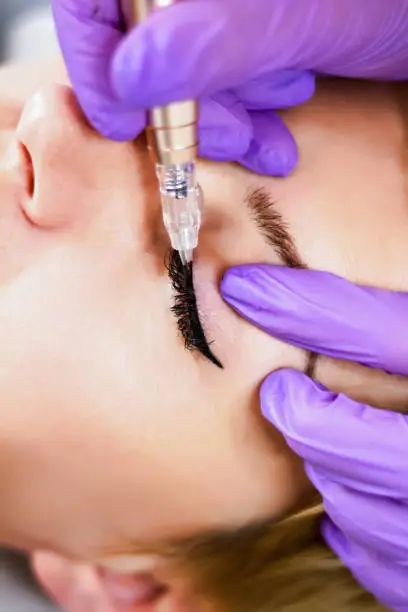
<point x="186" y="257"/>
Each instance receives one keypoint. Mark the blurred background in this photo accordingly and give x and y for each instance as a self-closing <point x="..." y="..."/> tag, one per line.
<point x="26" y="32"/>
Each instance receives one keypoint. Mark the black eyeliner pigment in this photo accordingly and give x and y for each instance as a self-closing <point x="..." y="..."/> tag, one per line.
<point x="185" y="307"/>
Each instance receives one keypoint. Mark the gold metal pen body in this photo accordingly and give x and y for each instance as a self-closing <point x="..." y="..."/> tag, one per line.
<point x="172" y="131"/>
<point x="172" y="137"/>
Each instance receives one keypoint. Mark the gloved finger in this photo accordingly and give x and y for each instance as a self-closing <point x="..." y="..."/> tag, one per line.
<point x="191" y="38"/>
<point x="378" y="574"/>
<point x="354" y="442"/>
<point x="99" y="12"/>
<point x="225" y="128"/>
<point x="273" y="150"/>
<point x="214" y="45"/>
<point x="275" y="90"/>
<point x="371" y="521"/>
<point x="88" y="33"/>
<point x="321" y="312"/>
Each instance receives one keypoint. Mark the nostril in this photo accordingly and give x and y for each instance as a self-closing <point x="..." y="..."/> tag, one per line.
<point x="28" y="170"/>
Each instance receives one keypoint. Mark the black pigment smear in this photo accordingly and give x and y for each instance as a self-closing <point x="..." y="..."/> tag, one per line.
<point x="185" y="307"/>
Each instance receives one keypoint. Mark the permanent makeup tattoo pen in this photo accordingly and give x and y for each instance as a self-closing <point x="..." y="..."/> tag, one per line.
<point x="172" y="137"/>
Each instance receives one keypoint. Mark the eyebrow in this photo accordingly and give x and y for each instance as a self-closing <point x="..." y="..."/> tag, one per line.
<point x="270" y="223"/>
<point x="272" y="226"/>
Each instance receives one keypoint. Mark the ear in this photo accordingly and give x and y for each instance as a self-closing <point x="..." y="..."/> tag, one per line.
<point x="83" y="588"/>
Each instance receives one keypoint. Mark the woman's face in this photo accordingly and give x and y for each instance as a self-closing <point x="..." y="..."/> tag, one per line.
<point x="128" y="436"/>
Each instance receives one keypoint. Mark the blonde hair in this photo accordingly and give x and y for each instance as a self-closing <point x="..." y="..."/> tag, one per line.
<point x="271" y="567"/>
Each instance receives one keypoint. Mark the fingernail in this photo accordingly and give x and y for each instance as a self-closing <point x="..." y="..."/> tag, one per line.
<point x="235" y="283"/>
<point x="242" y="288"/>
<point x="222" y="144"/>
<point x="274" y="394"/>
<point x="276" y="164"/>
<point x="267" y="161"/>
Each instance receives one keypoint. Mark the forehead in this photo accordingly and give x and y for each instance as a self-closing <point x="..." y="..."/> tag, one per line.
<point x="347" y="201"/>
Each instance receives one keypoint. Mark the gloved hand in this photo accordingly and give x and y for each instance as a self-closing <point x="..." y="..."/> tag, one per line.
<point x="356" y="456"/>
<point x="239" y="58"/>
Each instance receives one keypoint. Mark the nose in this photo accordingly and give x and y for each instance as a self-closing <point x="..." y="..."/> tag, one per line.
<point x="53" y="132"/>
<point x="78" y="175"/>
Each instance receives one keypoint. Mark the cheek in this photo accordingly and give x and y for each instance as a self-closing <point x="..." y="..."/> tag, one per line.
<point x="254" y="355"/>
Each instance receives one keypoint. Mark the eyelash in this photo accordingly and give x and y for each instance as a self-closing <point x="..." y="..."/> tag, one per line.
<point x="185" y="307"/>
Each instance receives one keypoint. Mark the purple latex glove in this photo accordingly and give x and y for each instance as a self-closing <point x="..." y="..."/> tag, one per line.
<point x="356" y="456"/>
<point x="240" y="58"/>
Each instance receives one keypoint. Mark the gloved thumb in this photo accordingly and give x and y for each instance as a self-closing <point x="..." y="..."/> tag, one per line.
<point x="209" y="45"/>
<point x="337" y="436"/>
<point x="379" y="573"/>
<point x="324" y="313"/>
<point x="199" y="47"/>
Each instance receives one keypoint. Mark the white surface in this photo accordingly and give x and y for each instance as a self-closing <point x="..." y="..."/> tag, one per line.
<point x="17" y="590"/>
<point x="31" y="35"/>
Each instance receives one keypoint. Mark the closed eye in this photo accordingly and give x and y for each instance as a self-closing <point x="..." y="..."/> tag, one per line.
<point x="185" y="308"/>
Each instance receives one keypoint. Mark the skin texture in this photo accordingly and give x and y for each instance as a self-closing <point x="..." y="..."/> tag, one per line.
<point x="127" y="436"/>
<point x="362" y="491"/>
